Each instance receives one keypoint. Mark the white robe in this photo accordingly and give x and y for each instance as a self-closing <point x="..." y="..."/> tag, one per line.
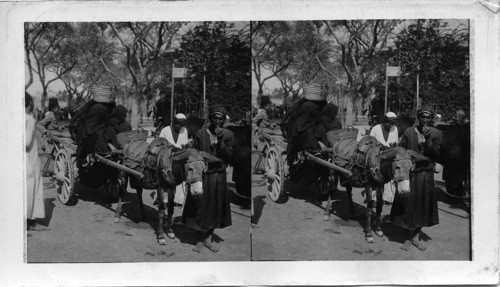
<point x="166" y="133"/>
<point x="35" y="207"/>
<point x="379" y="135"/>
<point x="389" y="188"/>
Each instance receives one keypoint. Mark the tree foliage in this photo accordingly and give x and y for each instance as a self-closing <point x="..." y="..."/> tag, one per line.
<point x="439" y="56"/>
<point x="48" y="48"/>
<point x="215" y="51"/>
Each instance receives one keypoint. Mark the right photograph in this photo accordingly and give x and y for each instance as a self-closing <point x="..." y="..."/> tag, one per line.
<point x="361" y="140"/>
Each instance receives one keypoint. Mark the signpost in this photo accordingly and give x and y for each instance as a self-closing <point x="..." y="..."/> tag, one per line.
<point x="176" y="73"/>
<point x="390" y="71"/>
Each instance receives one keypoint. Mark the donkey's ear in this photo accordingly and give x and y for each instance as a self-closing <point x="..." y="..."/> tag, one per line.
<point x="418" y="157"/>
<point x="209" y="158"/>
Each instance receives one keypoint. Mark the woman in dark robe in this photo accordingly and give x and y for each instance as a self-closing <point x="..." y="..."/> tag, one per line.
<point x="211" y="209"/>
<point x="116" y="124"/>
<point x="91" y="138"/>
<point x="301" y="136"/>
<point x="419" y="208"/>
<point x="327" y="122"/>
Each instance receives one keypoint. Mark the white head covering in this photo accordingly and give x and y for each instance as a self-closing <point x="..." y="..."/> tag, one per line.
<point x="180" y="116"/>
<point x="391" y="115"/>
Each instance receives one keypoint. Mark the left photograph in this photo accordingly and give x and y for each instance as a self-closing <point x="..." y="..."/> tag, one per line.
<point x="137" y="141"/>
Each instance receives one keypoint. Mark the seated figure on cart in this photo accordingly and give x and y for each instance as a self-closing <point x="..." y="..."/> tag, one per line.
<point x="101" y="120"/>
<point x="310" y="120"/>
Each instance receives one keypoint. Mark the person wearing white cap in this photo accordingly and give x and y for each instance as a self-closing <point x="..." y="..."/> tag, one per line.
<point x="177" y="135"/>
<point x="387" y="134"/>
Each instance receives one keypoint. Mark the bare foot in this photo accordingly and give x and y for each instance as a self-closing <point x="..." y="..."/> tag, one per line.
<point x="199" y="246"/>
<point x="418" y="244"/>
<point x="406" y="246"/>
<point x="170" y="233"/>
<point x="211" y="247"/>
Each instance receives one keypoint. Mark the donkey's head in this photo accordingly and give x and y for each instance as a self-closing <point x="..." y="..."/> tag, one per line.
<point x="195" y="163"/>
<point x="402" y="163"/>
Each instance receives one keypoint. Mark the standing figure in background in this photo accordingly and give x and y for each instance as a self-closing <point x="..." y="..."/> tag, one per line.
<point x="49" y="122"/>
<point x="419" y="208"/>
<point x="212" y="209"/>
<point x="260" y="123"/>
<point x="162" y="113"/>
<point x="387" y="134"/>
<point x="35" y="207"/>
<point x="48" y="125"/>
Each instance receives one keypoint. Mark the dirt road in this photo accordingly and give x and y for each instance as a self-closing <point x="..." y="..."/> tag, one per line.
<point x="86" y="232"/>
<point x="295" y="229"/>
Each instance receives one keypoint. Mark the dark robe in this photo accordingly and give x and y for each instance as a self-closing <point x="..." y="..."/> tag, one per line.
<point x="301" y="133"/>
<point x="116" y="124"/>
<point x="93" y="140"/>
<point x="163" y="110"/>
<point x="302" y="137"/>
<point x="212" y="209"/>
<point x="419" y="208"/>
<point x="326" y="122"/>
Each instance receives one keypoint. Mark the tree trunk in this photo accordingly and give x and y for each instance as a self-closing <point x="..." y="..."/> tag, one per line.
<point x="69" y="100"/>
<point x="349" y="117"/>
<point x="43" y="98"/>
<point x="134" y="121"/>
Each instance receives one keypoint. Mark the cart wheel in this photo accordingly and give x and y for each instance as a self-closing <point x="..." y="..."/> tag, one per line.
<point x="275" y="174"/>
<point x="112" y="188"/>
<point x="46" y="164"/>
<point x="65" y="177"/>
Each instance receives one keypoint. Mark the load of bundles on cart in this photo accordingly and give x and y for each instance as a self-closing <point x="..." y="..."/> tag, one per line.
<point x="94" y="128"/>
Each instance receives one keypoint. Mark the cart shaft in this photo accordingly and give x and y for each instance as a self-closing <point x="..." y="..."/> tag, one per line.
<point x="118" y="166"/>
<point x="323" y="162"/>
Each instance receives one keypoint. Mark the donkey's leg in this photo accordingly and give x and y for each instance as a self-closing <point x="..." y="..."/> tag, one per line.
<point x="328" y="207"/>
<point x="122" y="188"/>
<point x="378" y="219"/>
<point x="352" y="209"/>
<point x="141" y="203"/>
<point x="369" y="211"/>
<point x="160" y="235"/>
<point x="170" y="211"/>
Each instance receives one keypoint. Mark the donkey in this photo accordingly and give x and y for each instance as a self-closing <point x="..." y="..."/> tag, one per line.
<point x="169" y="168"/>
<point x="393" y="163"/>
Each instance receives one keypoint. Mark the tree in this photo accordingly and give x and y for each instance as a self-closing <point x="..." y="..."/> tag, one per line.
<point x="142" y="44"/>
<point x="270" y="50"/>
<point x="88" y="46"/>
<point x="216" y="51"/>
<point x="354" y="44"/>
<point x="47" y="45"/>
<point x="436" y="55"/>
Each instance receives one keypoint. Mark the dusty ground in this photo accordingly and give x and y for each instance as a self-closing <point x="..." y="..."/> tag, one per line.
<point x="86" y="232"/>
<point x="295" y="229"/>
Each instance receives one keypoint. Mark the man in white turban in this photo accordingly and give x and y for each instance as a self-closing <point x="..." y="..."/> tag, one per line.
<point x="177" y="135"/>
<point x="387" y="134"/>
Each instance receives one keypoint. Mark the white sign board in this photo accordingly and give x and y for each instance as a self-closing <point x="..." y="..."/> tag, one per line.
<point x="179" y="72"/>
<point x="393" y="71"/>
